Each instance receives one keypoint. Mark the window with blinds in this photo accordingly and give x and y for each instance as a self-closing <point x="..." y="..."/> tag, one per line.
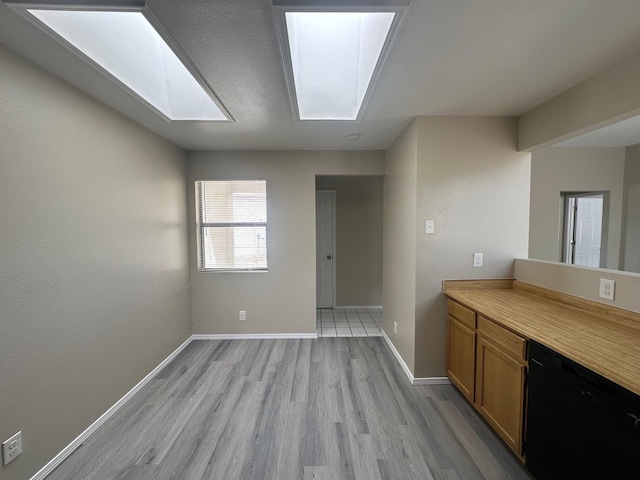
<point x="232" y="224"/>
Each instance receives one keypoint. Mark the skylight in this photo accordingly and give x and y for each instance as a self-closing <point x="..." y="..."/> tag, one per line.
<point x="129" y="49"/>
<point x="332" y="57"/>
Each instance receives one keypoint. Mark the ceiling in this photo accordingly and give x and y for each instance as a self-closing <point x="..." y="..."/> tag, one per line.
<point x="453" y="57"/>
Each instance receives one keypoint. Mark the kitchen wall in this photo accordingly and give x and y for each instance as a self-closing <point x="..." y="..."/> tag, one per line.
<point x="475" y="185"/>
<point x="94" y="282"/>
<point x="580" y="281"/>
<point x="358" y="249"/>
<point x="282" y="300"/>
<point x="466" y="175"/>
<point x="567" y="169"/>
<point x="631" y="231"/>
<point x="399" y="243"/>
<point x="603" y="99"/>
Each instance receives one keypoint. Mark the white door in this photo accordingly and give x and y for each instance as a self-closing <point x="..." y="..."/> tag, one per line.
<point x="583" y="229"/>
<point x="588" y="231"/>
<point x="325" y="202"/>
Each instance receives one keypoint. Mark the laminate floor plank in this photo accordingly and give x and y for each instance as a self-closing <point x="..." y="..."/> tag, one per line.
<point x="333" y="408"/>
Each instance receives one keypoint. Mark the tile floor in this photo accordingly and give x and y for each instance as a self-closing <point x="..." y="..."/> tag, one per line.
<point x="349" y="322"/>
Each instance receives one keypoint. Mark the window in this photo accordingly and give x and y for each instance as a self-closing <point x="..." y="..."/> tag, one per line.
<point x="232" y="224"/>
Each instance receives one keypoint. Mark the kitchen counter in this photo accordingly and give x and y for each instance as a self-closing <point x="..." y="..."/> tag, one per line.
<point x="603" y="338"/>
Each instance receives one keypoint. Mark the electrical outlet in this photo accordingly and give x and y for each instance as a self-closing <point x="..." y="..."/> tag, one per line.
<point x="395" y="328"/>
<point x="477" y="259"/>
<point x="607" y="289"/>
<point x="243" y="315"/>
<point x="12" y="447"/>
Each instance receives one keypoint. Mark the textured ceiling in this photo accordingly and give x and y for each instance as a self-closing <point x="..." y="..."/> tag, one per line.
<point x="455" y="57"/>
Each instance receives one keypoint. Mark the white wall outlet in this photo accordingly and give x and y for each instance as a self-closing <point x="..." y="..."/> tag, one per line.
<point x="395" y="328"/>
<point x="607" y="289"/>
<point x="478" y="259"/>
<point x="12" y="447"/>
<point x="243" y="315"/>
<point x="430" y="227"/>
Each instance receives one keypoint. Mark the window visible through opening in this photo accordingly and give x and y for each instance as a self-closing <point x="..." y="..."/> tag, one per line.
<point x="232" y="224"/>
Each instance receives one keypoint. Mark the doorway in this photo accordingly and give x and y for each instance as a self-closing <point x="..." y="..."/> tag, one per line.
<point x="325" y="248"/>
<point x="583" y="226"/>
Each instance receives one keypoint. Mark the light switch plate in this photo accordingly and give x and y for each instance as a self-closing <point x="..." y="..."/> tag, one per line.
<point x="430" y="227"/>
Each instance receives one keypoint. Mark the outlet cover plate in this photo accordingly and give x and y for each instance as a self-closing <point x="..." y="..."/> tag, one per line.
<point x="607" y="289"/>
<point x="478" y="259"/>
<point x="430" y="227"/>
<point x="12" y="447"/>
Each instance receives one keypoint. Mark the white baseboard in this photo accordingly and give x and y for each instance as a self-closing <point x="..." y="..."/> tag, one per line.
<point x="253" y="336"/>
<point x="358" y="306"/>
<point x="68" y="450"/>
<point x="431" y="381"/>
<point x="412" y="379"/>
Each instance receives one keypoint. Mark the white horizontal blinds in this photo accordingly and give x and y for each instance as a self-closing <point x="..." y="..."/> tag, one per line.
<point x="232" y="222"/>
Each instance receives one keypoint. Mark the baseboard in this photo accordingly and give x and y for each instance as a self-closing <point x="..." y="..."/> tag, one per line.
<point x="253" y="336"/>
<point x="431" y="381"/>
<point x="358" y="306"/>
<point x="80" y="439"/>
<point x="412" y="379"/>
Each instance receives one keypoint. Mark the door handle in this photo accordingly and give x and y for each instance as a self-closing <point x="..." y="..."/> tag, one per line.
<point x="328" y="257"/>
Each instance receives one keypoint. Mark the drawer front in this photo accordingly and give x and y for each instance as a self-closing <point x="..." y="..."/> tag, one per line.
<point x="462" y="314"/>
<point x="510" y="342"/>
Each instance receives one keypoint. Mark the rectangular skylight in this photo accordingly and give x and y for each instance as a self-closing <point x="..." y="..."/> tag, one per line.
<point x="126" y="46"/>
<point x="332" y="55"/>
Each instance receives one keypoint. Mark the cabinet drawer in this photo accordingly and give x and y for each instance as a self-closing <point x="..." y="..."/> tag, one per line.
<point x="510" y="342"/>
<point x="463" y="314"/>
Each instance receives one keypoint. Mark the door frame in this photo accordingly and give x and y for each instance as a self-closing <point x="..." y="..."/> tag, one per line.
<point x="334" y="256"/>
<point x="565" y="218"/>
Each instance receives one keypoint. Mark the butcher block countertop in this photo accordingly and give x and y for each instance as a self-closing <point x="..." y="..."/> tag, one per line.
<point x="604" y="339"/>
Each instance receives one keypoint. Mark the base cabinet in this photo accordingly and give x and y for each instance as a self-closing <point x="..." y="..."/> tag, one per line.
<point x="488" y="365"/>
<point x="461" y="357"/>
<point x="500" y="392"/>
<point x="461" y="353"/>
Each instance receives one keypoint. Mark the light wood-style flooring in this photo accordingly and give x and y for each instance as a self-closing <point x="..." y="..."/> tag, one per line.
<point x="332" y="408"/>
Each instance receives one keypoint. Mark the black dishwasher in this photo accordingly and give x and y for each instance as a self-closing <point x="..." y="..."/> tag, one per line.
<point x="579" y="424"/>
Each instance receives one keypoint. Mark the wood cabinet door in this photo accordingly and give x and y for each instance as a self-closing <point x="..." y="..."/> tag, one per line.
<point x="461" y="356"/>
<point x="500" y="392"/>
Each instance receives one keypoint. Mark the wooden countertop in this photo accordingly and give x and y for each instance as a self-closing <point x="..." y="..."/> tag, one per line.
<point x="602" y="338"/>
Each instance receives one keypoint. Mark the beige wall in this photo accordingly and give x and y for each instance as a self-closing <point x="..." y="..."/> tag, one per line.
<point x="601" y="100"/>
<point x="564" y="169"/>
<point x="282" y="300"/>
<point x="94" y="282"/>
<point x="606" y="98"/>
<point x="581" y="282"/>
<point x="631" y="233"/>
<point x="475" y="185"/>
<point x="358" y="250"/>
<point x="399" y="242"/>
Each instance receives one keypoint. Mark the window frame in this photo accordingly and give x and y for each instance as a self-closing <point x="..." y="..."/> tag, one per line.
<point x="201" y="226"/>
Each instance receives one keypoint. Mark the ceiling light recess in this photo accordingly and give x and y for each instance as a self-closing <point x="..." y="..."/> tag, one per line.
<point x="126" y="42"/>
<point x="333" y="51"/>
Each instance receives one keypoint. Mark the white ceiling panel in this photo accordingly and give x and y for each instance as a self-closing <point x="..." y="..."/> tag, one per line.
<point x="480" y="57"/>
